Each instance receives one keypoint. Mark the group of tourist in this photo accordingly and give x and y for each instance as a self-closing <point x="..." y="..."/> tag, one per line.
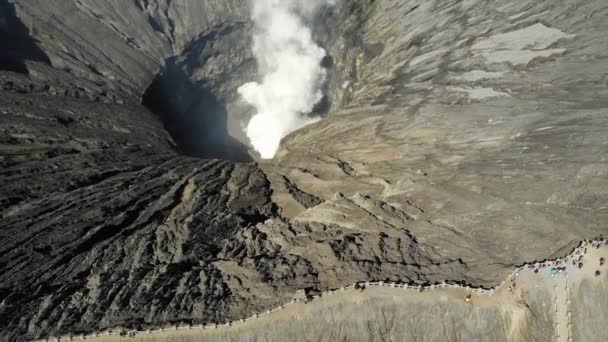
<point x="559" y="266"/>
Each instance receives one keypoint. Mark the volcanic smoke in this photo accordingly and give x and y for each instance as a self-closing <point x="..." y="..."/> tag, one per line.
<point x="289" y="64"/>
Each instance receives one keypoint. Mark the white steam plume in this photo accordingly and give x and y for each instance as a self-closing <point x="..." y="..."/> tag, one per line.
<point x="289" y="63"/>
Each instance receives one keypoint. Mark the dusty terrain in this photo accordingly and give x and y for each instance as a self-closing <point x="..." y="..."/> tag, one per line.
<point x="461" y="139"/>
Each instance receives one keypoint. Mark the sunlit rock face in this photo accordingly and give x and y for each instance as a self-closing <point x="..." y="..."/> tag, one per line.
<point x="458" y="139"/>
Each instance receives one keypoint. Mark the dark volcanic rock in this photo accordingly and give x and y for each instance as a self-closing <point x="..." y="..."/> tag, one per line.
<point x="103" y="224"/>
<point x="462" y="138"/>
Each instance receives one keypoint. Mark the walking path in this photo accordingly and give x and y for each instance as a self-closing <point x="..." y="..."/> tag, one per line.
<point x="562" y="322"/>
<point x="559" y="276"/>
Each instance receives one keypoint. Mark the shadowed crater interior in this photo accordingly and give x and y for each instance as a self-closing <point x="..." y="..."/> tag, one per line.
<point x="16" y="44"/>
<point x="195" y="95"/>
<point x="193" y="115"/>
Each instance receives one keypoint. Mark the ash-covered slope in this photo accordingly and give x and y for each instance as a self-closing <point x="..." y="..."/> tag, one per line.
<point x="463" y="138"/>
<point x="484" y="122"/>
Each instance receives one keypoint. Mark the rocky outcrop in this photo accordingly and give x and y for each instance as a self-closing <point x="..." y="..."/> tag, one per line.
<point x="461" y="138"/>
<point x="100" y="216"/>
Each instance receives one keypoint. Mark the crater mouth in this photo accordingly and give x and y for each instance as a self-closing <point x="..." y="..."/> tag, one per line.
<point x="194" y="116"/>
<point x="195" y="94"/>
<point x="195" y="97"/>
